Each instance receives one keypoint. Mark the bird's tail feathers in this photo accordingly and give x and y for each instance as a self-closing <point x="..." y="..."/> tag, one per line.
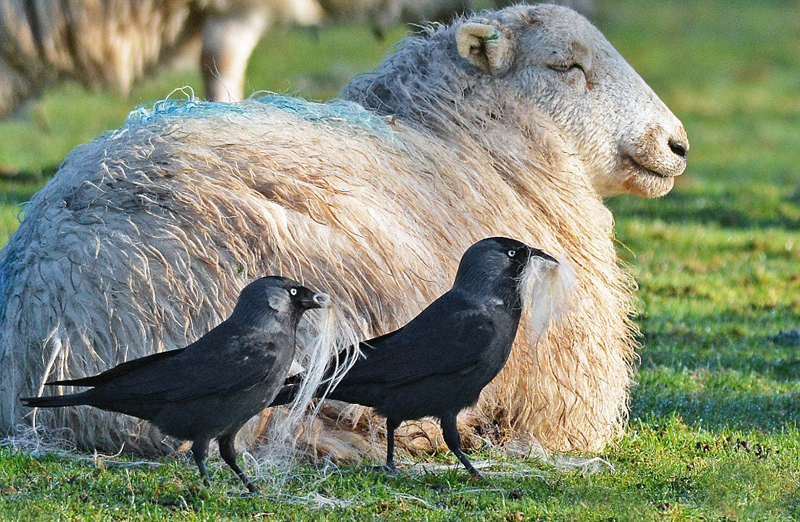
<point x="85" y="381"/>
<point x="54" y="401"/>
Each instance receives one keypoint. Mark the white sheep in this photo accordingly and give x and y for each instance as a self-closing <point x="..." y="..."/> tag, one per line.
<point x="516" y="123"/>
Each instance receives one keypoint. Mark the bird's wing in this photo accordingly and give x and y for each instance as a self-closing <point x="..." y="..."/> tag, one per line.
<point x="448" y="337"/>
<point x="118" y="371"/>
<point x="226" y="360"/>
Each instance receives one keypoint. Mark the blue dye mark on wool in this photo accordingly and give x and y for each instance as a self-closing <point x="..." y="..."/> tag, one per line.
<point x="333" y="113"/>
<point x="154" y="111"/>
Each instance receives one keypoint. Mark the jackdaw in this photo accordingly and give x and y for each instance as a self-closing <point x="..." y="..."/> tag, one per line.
<point x="212" y="387"/>
<point x="437" y="364"/>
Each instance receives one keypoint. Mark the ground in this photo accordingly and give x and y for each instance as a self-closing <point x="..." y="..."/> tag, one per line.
<point x="713" y="433"/>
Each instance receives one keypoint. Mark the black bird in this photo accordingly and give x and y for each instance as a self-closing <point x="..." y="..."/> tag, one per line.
<point x="212" y="387"/>
<point x="437" y="364"/>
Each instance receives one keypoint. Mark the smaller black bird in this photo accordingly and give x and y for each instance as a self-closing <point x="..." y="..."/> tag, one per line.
<point x="212" y="387"/>
<point x="437" y="364"/>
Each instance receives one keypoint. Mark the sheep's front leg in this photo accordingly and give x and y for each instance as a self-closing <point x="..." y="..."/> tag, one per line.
<point x="228" y="41"/>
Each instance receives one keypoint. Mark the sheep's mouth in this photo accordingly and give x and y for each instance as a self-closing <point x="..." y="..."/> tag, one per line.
<point x="645" y="182"/>
<point x="634" y="167"/>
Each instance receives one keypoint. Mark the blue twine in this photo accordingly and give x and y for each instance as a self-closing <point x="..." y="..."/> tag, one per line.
<point x="336" y="112"/>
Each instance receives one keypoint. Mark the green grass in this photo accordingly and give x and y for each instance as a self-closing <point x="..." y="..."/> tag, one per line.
<point x="715" y="414"/>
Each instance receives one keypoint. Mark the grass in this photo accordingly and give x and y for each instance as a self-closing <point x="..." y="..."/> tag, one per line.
<point x="715" y="414"/>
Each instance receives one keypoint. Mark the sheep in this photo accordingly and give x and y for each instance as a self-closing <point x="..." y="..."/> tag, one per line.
<point x="382" y="13"/>
<point x="584" y="7"/>
<point x="516" y="122"/>
<point x="113" y="44"/>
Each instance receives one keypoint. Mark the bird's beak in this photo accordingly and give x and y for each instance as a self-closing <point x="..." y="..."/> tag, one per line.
<point x="535" y="252"/>
<point x="317" y="300"/>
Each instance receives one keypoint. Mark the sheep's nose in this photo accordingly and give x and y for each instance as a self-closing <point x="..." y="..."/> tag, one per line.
<point x="678" y="142"/>
<point x="679" y="146"/>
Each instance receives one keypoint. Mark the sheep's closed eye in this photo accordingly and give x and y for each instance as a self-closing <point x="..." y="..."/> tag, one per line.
<point x="566" y="66"/>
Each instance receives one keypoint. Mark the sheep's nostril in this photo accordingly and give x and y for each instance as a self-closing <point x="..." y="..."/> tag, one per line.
<point x="678" y="147"/>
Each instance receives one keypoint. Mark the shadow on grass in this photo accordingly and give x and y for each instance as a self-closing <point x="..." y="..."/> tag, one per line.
<point x="11" y="174"/>
<point x="15" y="197"/>
<point x="725" y="369"/>
<point x="19" y="186"/>
<point x="761" y="354"/>
<point x="719" y="408"/>
<point x="733" y="209"/>
<point x="755" y="339"/>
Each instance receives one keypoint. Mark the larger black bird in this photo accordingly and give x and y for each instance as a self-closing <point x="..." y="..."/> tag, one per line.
<point x="438" y="363"/>
<point x="212" y="387"/>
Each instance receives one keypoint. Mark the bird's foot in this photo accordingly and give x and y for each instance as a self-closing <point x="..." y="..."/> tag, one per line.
<point x="252" y="491"/>
<point x="477" y="477"/>
<point x="388" y="469"/>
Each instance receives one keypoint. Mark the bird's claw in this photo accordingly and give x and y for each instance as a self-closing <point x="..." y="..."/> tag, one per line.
<point x="384" y="468"/>
<point x="477" y="477"/>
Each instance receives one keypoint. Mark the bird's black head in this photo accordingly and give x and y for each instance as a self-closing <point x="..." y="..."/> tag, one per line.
<point x="274" y="298"/>
<point x="493" y="266"/>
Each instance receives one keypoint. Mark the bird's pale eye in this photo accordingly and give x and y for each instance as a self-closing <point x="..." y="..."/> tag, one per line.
<point x="512" y="253"/>
<point x="293" y="291"/>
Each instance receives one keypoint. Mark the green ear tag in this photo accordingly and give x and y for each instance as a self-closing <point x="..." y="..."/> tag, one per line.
<point x="494" y="36"/>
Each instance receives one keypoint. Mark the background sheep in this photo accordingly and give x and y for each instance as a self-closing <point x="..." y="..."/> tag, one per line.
<point x="143" y="238"/>
<point x="382" y="13"/>
<point x="114" y="43"/>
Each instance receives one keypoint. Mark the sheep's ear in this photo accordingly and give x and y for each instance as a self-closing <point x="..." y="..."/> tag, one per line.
<point x="484" y="46"/>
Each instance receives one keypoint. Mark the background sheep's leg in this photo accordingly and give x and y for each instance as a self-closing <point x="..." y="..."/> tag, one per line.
<point x="228" y="41"/>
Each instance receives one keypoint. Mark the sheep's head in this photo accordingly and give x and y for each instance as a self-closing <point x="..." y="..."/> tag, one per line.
<point x="627" y="138"/>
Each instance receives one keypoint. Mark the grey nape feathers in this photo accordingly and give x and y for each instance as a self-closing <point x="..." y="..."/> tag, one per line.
<point x="209" y="389"/>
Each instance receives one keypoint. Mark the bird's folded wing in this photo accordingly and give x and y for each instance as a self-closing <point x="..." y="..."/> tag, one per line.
<point x="220" y="363"/>
<point x="118" y="371"/>
<point x="448" y="337"/>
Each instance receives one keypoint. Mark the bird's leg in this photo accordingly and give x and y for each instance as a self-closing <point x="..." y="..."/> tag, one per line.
<point x="453" y="440"/>
<point x="199" y="451"/>
<point x="391" y="425"/>
<point x="227" y="450"/>
<point x="389" y="467"/>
